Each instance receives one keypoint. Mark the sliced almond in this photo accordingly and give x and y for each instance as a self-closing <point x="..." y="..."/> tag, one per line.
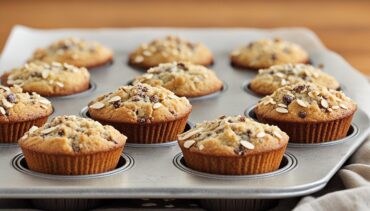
<point x="45" y="73"/>
<point x="139" y="59"/>
<point x="261" y="134"/>
<point x="97" y="105"/>
<point x="114" y="99"/>
<point x="33" y="129"/>
<point x="343" y="106"/>
<point x="280" y="75"/>
<point x="2" y="111"/>
<point x="324" y="103"/>
<point x="282" y="105"/>
<point x="148" y="76"/>
<point x="284" y="82"/>
<point x="189" y="134"/>
<point x="6" y="103"/>
<point x="48" y="130"/>
<point x="281" y="110"/>
<point x="44" y="101"/>
<point x="56" y="64"/>
<point x="147" y="53"/>
<point x="157" y="105"/>
<point x="201" y="147"/>
<point x="247" y="144"/>
<point x="60" y="84"/>
<point x="302" y="103"/>
<point x="189" y="143"/>
<point x="335" y="107"/>
<point x="277" y="134"/>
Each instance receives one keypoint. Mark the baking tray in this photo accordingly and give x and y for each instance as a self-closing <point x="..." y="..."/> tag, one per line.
<point x="159" y="171"/>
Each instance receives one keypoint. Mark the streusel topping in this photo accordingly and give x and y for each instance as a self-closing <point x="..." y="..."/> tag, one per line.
<point x="233" y="135"/>
<point x="140" y="103"/>
<point x="72" y="134"/>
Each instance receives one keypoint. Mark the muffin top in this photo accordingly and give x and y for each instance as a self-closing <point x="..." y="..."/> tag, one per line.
<point x="78" y="52"/>
<point x="16" y="106"/>
<point x="184" y="79"/>
<point x="233" y="135"/>
<point x="170" y="49"/>
<point x="72" y="135"/>
<point x="304" y="102"/>
<point x="274" y="77"/>
<point x="265" y="53"/>
<point x="48" y="79"/>
<point x="140" y="103"/>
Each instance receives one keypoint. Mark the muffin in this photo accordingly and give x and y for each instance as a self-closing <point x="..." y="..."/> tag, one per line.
<point x="270" y="79"/>
<point x="307" y="112"/>
<point x="145" y="114"/>
<point x="19" y="112"/>
<point x="233" y="145"/>
<point x="170" y="49"/>
<point x="183" y="79"/>
<point x="265" y="53"/>
<point x="74" y="51"/>
<point x="70" y="145"/>
<point x="48" y="80"/>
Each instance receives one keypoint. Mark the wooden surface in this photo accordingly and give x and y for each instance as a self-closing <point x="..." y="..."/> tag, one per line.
<point x="344" y="26"/>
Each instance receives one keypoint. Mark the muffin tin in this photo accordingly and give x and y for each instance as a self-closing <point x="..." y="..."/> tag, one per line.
<point x="158" y="171"/>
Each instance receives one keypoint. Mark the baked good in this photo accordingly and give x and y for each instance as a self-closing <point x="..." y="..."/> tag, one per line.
<point x="182" y="78"/>
<point x="233" y="145"/>
<point x="49" y="80"/>
<point x="19" y="112"/>
<point x="71" y="145"/>
<point x="266" y="52"/>
<point x="74" y="51"/>
<point x="307" y="112"/>
<point x="145" y="114"/>
<point x="170" y="49"/>
<point x="270" y="79"/>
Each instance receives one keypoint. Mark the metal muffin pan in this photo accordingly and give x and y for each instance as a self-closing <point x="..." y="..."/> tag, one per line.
<point x="154" y="174"/>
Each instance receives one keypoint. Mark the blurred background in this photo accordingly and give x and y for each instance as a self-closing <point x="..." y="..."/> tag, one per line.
<point x="344" y="26"/>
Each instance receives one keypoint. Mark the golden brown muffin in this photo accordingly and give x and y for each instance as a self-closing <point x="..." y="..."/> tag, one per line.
<point x="145" y="114"/>
<point x="265" y="53"/>
<point x="170" y="49"/>
<point x="233" y="145"/>
<point x="48" y="80"/>
<point x="74" y="51"/>
<point x="308" y="113"/>
<point x="270" y="79"/>
<point x="19" y="112"/>
<point x="183" y="79"/>
<point x="71" y="145"/>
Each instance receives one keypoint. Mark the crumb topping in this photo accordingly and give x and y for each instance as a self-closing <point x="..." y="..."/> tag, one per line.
<point x="182" y="78"/>
<point x="77" y="134"/>
<point x="139" y="103"/>
<point x="236" y="134"/>
<point x="39" y="71"/>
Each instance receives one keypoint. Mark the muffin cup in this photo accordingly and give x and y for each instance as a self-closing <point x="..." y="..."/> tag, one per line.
<point x="238" y="204"/>
<point x="12" y="131"/>
<point x="312" y="132"/>
<point x="254" y="163"/>
<point x="150" y="133"/>
<point x="66" y="204"/>
<point x="79" y="164"/>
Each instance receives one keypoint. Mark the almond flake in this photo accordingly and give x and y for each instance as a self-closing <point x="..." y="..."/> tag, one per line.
<point x="97" y="105"/>
<point x="247" y="144"/>
<point x="282" y="105"/>
<point x="147" y="53"/>
<point x="189" y="143"/>
<point x="302" y="103"/>
<point x="343" y="106"/>
<point x="284" y="82"/>
<point x="201" y="147"/>
<point x="114" y="99"/>
<point x="280" y="75"/>
<point x="335" y="107"/>
<point x="148" y="76"/>
<point x="281" y="110"/>
<point x="33" y="129"/>
<point x="6" y="103"/>
<point x="139" y="59"/>
<point x="324" y="103"/>
<point x="48" y="130"/>
<point x="60" y="84"/>
<point x="261" y="134"/>
<point x="189" y="134"/>
<point x="2" y="111"/>
<point x="157" y="105"/>
<point x="277" y="134"/>
<point x="56" y="64"/>
<point x="44" y="101"/>
<point x="44" y="73"/>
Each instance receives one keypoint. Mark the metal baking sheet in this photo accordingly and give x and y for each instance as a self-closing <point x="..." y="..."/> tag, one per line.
<point x="157" y="171"/>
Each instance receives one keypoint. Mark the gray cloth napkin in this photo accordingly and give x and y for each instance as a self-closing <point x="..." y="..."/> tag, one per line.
<point x="348" y="190"/>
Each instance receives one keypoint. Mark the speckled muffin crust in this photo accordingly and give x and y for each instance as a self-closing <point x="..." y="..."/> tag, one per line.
<point x="170" y="49"/>
<point x="74" y="139"/>
<point x="74" y="51"/>
<point x="53" y="79"/>
<point x="184" y="79"/>
<point x="20" y="111"/>
<point x="308" y="112"/>
<point x="265" y="53"/>
<point x="139" y="111"/>
<point x="233" y="145"/>
<point x="270" y="79"/>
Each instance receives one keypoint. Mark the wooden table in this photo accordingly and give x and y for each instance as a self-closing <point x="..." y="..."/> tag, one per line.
<point x="344" y="26"/>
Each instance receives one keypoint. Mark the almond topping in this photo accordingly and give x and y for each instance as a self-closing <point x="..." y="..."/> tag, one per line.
<point x="247" y="144"/>
<point x="114" y="99"/>
<point x="301" y="103"/>
<point x="281" y="110"/>
<point x="2" y="111"/>
<point x="277" y="134"/>
<point x="97" y="105"/>
<point x="189" y="143"/>
<point x="139" y="59"/>
<point x="261" y="134"/>
<point x="33" y="129"/>
<point x="324" y="103"/>
<point x="189" y="134"/>
<point x="157" y="105"/>
<point x="6" y="103"/>
<point x="44" y="101"/>
<point x="282" y="105"/>
<point x="343" y="106"/>
<point x="48" y="130"/>
<point x="45" y="73"/>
